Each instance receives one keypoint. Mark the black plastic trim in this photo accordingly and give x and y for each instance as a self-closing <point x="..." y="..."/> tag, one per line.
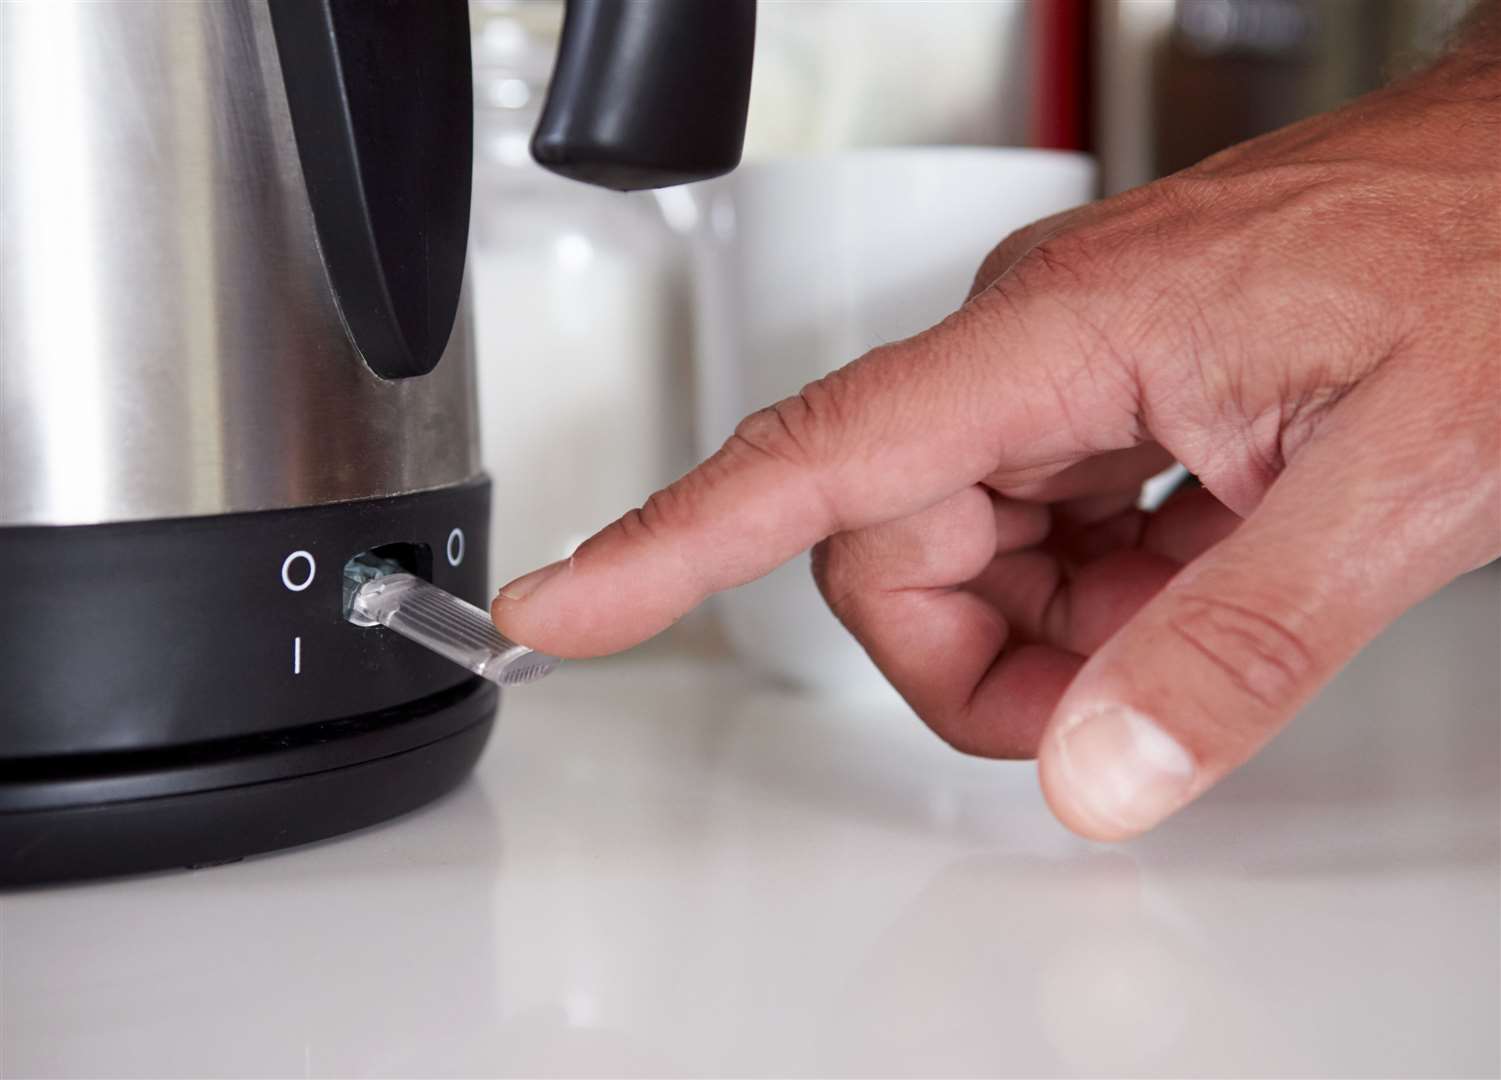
<point x="158" y="635"/>
<point x="89" y="779"/>
<point x="226" y="822"/>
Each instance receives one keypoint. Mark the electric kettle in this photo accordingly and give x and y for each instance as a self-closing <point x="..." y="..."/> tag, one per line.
<point x="234" y="363"/>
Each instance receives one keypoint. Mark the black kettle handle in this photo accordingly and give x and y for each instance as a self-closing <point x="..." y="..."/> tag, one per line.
<point x="648" y="93"/>
<point x="381" y="104"/>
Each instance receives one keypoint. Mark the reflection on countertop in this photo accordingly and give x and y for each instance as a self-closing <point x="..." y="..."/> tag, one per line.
<point x="665" y="867"/>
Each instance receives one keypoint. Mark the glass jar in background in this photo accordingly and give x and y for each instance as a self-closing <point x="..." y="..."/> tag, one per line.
<point x="582" y="327"/>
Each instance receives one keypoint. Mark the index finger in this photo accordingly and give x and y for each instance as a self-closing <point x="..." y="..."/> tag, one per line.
<point x="995" y="385"/>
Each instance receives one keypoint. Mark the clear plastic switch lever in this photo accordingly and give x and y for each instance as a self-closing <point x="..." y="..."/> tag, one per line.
<point x="440" y="621"/>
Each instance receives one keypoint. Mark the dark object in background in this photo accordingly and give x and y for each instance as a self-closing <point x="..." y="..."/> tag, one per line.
<point x="1062" y="75"/>
<point x="1234" y="69"/>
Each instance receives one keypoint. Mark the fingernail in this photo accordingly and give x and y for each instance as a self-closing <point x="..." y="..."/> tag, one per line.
<point x="527" y="584"/>
<point x="1122" y="769"/>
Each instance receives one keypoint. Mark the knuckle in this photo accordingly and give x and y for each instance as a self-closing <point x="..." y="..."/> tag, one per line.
<point x="1020" y="244"/>
<point x="1005" y="255"/>
<point x="957" y="734"/>
<point x="802" y="433"/>
<point x="796" y="430"/>
<point x="1186" y="193"/>
<point x="663" y="507"/>
<point x="1061" y="260"/>
<point x="990" y="734"/>
<point x="665" y="512"/>
<point x="650" y="520"/>
<point x="1260" y="656"/>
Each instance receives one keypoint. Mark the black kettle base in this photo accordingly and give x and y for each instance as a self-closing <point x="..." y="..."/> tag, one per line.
<point x="89" y="816"/>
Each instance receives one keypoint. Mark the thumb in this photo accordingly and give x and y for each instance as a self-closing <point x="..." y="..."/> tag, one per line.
<point x="1219" y="660"/>
<point x="898" y="430"/>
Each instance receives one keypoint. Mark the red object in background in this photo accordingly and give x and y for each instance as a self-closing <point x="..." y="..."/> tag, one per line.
<point x="1060" y="40"/>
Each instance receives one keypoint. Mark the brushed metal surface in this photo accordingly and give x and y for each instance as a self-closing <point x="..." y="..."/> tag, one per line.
<point x="169" y="345"/>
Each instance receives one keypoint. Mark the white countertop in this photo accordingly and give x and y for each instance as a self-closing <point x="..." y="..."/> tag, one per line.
<point x="665" y="867"/>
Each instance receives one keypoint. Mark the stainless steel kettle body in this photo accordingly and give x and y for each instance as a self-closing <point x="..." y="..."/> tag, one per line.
<point x="172" y="346"/>
<point x="235" y="357"/>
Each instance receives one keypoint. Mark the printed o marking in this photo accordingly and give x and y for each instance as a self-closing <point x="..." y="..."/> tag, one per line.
<point x="455" y="548"/>
<point x="286" y="571"/>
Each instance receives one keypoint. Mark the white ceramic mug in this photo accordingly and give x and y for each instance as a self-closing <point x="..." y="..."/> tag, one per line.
<point x="802" y="265"/>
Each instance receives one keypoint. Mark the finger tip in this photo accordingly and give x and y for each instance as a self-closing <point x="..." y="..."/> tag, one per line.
<point x="1109" y="772"/>
<point x="571" y="621"/>
<point x="509" y="618"/>
<point x="527" y="623"/>
<point x="1075" y="816"/>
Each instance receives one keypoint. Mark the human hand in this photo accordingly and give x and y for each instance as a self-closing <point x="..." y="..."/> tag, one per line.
<point x="1310" y="322"/>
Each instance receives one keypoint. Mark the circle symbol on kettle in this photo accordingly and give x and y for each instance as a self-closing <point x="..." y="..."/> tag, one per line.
<point x="288" y="569"/>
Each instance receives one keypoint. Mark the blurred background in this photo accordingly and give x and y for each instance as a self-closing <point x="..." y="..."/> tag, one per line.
<point x="588" y="407"/>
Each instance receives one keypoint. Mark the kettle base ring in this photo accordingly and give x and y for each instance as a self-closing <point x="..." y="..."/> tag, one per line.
<point x="306" y="784"/>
